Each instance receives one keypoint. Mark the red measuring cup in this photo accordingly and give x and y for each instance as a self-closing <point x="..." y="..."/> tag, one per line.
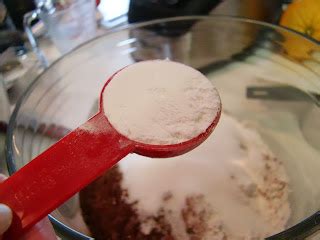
<point x="72" y="163"/>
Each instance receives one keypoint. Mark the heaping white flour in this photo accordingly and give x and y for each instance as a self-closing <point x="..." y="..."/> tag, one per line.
<point x="160" y="102"/>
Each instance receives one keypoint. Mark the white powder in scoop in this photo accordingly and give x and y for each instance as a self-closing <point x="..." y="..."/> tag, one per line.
<point x="231" y="187"/>
<point x="160" y="102"/>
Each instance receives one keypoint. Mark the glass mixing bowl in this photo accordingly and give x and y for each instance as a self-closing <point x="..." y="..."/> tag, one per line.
<point x="278" y="90"/>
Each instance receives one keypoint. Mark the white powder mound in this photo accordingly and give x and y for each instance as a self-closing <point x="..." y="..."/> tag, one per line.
<point x="160" y="102"/>
<point x="230" y="187"/>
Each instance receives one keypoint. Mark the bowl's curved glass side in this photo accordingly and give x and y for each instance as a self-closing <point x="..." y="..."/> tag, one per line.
<point x="260" y="77"/>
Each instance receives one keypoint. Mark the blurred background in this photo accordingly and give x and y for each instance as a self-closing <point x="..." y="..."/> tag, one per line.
<point x="33" y="31"/>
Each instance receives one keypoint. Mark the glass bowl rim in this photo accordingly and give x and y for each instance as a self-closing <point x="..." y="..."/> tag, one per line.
<point x="58" y="225"/>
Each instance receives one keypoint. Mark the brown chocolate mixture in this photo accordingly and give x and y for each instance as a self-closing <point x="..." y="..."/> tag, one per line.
<point x="108" y="216"/>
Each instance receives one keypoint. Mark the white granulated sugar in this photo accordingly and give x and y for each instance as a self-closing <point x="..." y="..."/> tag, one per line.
<point x="231" y="187"/>
<point x="160" y="102"/>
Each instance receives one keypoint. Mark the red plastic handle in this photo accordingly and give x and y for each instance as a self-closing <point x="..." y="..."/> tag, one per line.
<point x="61" y="171"/>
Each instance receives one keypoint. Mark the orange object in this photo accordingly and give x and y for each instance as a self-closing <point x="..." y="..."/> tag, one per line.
<point x="302" y="16"/>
